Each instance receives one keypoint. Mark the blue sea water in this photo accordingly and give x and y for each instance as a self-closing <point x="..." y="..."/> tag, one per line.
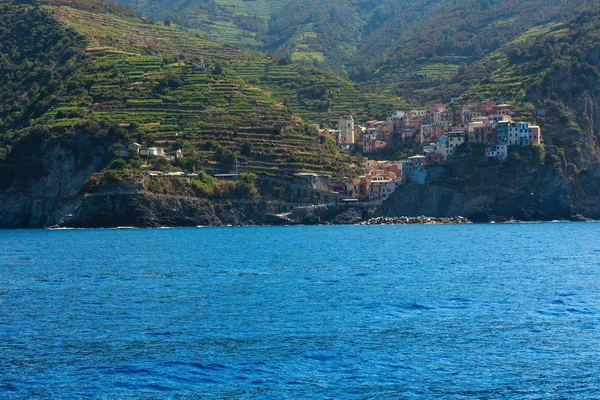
<point x="444" y="311"/>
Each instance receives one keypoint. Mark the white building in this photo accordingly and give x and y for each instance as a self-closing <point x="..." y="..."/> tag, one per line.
<point x="518" y="133"/>
<point x="498" y="152"/>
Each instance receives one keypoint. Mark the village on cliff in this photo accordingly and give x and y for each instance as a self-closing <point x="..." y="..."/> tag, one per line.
<point x="435" y="134"/>
<point x="439" y="131"/>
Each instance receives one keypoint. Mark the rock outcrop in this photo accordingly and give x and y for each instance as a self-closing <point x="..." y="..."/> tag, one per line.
<point x="522" y="191"/>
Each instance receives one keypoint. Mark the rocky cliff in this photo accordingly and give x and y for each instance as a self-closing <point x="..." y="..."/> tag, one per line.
<point x="42" y="179"/>
<point x="154" y="210"/>
<point x="522" y="189"/>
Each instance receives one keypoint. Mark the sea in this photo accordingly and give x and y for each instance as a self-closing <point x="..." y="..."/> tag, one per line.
<point x="482" y="311"/>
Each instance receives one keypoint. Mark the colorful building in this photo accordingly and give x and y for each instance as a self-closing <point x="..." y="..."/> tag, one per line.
<point x="498" y="152"/>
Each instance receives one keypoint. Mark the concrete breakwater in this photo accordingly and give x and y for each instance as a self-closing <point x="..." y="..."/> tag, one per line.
<point x="415" y="220"/>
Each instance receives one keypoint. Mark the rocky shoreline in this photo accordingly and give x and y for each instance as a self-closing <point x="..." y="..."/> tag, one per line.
<point x="421" y="220"/>
<point x="146" y="210"/>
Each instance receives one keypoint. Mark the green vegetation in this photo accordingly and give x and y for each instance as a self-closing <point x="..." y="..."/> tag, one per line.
<point x="72" y="64"/>
<point x="36" y="54"/>
<point x="417" y="49"/>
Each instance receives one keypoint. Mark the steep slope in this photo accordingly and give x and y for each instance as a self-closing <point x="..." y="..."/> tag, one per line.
<point x="412" y="48"/>
<point x="139" y="74"/>
<point x="553" y="73"/>
<point x="227" y="21"/>
<point x="429" y="61"/>
<point x="79" y="83"/>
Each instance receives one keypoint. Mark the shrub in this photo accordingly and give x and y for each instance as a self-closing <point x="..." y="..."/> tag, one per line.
<point x="247" y="148"/>
<point x="538" y="152"/>
<point x="118" y="165"/>
<point x="112" y="176"/>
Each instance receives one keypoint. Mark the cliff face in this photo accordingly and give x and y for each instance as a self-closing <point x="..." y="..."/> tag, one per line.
<point x="542" y="191"/>
<point x="153" y="210"/>
<point x="42" y="182"/>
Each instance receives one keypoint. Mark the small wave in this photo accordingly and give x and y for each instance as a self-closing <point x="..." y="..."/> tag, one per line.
<point x="460" y="299"/>
<point x="8" y="388"/>
<point x="131" y="370"/>
<point x="416" y="306"/>
<point x="577" y="311"/>
<point x="195" y="365"/>
<point x="566" y="294"/>
<point x="123" y="227"/>
<point x="320" y="357"/>
<point x="159" y="333"/>
<point x="551" y="313"/>
<point x="158" y="388"/>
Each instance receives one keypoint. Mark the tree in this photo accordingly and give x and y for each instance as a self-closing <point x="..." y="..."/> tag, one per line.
<point x="217" y="69"/>
<point x="118" y="165"/>
<point x="247" y="148"/>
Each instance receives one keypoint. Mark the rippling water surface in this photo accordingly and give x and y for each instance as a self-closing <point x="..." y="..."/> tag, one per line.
<point x="452" y="311"/>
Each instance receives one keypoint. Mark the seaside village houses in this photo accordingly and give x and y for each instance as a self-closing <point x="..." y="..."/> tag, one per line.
<point x="439" y="130"/>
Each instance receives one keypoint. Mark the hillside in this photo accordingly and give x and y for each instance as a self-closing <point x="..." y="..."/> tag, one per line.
<point x="113" y="66"/>
<point x="553" y="73"/>
<point x="80" y="82"/>
<point x="417" y="49"/>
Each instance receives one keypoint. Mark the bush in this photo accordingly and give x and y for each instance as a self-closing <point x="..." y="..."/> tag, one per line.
<point x="118" y="165"/>
<point x="112" y="176"/>
<point x="538" y="152"/>
<point x="247" y="148"/>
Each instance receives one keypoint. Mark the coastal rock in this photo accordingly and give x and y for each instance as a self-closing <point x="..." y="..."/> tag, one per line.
<point x="420" y="220"/>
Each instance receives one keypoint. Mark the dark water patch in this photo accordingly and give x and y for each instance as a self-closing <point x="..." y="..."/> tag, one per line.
<point x="7" y="387"/>
<point x="159" y="333"/>
<point x="416" y="307"/>
<point x="578" y="311"/>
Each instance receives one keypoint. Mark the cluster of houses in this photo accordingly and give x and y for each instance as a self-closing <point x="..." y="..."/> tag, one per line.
<point x="379" y="181"/>
<point x="440" y="129"/>
<point x="136" y="149"/>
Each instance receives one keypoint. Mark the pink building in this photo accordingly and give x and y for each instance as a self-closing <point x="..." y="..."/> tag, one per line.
<point x="487" y="107"/>
<point x="438" y="129"/>
<point x="485" y="135"/>
<point x="433" y="158"/>
<point x="504" y="109"/>
<point x="535" y="135"/>
<point x="394" y="169"/>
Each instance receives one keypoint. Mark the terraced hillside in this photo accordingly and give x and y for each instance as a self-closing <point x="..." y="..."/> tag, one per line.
<point x="242" y="23"/>
<point x="311" y="94"/>
<point x="152" y="80"/>
<point x="416" y="49"/>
